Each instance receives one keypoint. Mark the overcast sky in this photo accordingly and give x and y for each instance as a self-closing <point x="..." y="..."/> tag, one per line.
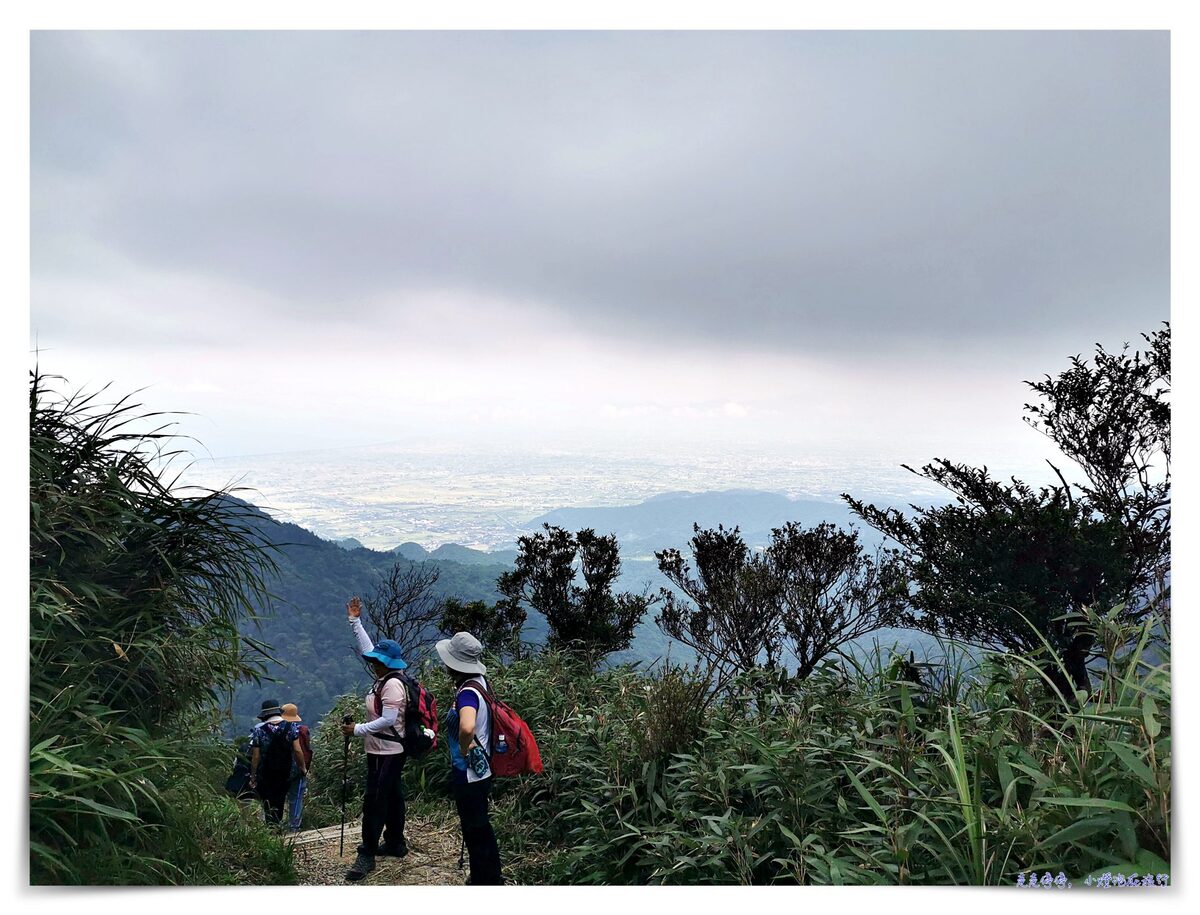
<point x="800" y="238"/>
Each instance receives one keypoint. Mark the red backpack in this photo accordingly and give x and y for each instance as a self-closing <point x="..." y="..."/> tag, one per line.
<point x="513" y="750"/>
<point x="306" y="744"/>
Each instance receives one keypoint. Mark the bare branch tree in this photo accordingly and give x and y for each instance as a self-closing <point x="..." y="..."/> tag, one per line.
<point x="405" y="606"/>
<point x="729" y="611"/>
<point x="831" y="591"/>
<point x="809" y="592"/>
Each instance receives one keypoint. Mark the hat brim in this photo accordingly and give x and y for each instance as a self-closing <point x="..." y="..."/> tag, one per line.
<point x="269" y="713"/>
<point x="393" y="663"/>
<point x="465" y="667"/>
<point x="291" y="718"/>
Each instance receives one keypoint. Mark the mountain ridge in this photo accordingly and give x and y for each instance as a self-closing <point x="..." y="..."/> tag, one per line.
<point x="314" y="659"/>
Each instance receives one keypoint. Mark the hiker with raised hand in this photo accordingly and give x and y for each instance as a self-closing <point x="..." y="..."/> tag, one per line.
<point x="383" y="799"/>
<point x="275" y="750"/>
<point x="468" y="730"/>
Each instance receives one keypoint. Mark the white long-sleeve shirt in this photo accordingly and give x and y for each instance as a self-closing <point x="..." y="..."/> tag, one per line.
<point x="394" y="701"/>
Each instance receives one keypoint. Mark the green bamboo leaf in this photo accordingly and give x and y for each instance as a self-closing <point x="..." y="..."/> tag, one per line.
<point x="792" y="837"/>
<point x="1040" y="778"/>
<point x="866" y="796"/>
<point x="1080" y="829"/>
<point x="1150" y="716"/>
<point x="102" y="808"/>
<point x="1134" y="762"/>
<point x="1100" y="802"/>
<point x="1004" y="770"/>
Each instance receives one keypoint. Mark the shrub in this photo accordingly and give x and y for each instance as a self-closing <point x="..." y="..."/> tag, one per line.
<point x="137" y="596"/>
<point x="877" y="769"/>
<point x="864" y="780"/>
<point x="886" y="773"/>
<point x="497" y="626"/>
<point x="676" y="700"/>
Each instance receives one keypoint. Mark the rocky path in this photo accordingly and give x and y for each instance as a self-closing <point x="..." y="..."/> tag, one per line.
<point x="432" y="860"/>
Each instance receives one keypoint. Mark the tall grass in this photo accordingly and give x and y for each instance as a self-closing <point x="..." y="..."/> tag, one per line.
<point x="970" y="771"/>
<point x="137" y="594"/>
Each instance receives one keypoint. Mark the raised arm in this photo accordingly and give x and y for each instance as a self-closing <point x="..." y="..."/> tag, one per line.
<point x="354" y="612"/>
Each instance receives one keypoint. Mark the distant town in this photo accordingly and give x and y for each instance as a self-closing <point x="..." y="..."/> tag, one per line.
<point x="386" y="495"/>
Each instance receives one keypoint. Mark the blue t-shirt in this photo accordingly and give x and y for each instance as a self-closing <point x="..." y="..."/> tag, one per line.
<point x="261" y="735"/>
<point x="466" y="698"/>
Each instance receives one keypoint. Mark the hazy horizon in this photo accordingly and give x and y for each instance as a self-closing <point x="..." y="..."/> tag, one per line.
<point x="384" y="495"/>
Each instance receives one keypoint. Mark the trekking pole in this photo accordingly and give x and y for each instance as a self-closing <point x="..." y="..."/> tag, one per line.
<point x="345" y="779"/>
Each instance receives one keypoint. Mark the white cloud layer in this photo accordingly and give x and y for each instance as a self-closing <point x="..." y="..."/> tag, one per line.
<point x="796" y="238"/>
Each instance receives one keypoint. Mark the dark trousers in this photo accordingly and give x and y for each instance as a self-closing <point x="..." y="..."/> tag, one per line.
<point x="471" y="799"/>
<point x="273" y="794"/>
<point x="383" y="802"/>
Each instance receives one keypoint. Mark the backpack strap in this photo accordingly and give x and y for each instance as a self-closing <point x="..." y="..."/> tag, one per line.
<point x="478" y="686"/>
<point x="412" y="697"/>
<point x="377" y="688"/>
<point x="377" y="692"/>
<point x="490" y="699"/>
<point x="284" y="729"/>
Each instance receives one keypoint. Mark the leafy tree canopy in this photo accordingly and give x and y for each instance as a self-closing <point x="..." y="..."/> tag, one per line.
<point x="1007" y="564"/>
<point x="498" y="626"/>
<point x="809" y="592"/>
<point x="589" y="618"/>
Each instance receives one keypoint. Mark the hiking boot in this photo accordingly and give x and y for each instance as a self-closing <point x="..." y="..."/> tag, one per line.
<point x="362" y="866"/>
<point x="393" y="851"/>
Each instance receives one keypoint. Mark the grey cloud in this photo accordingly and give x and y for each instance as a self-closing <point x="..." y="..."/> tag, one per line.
<point x="800" y="191"/>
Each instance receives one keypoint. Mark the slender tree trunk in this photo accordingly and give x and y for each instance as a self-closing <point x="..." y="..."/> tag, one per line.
<point x="1060" y="680"/>
<point x="804" y="670"/>
<point x="1072" y="674"/>
<point x="1075" y="660"/>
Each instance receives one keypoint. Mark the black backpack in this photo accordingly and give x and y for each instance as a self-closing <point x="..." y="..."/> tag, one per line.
<point x="275" y="764"/>
<point x="420" y="713"/>
<point x="236" y="784"/>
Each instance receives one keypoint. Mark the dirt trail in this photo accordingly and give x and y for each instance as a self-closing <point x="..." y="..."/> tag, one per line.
<point x="432" y="859"/>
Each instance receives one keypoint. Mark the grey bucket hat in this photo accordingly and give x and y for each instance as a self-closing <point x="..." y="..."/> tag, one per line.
<point x="462" y="653"/>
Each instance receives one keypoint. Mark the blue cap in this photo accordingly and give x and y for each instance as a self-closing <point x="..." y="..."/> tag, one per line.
<point x="388" y="654"/>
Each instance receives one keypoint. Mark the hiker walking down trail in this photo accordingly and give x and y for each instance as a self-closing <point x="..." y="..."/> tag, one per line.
<point x="275" y="751"/>
<point x="298" y="781"/>
<point x="469" y="733"/>
<point x="386" y="702"/>
<point x="239" y="784"/>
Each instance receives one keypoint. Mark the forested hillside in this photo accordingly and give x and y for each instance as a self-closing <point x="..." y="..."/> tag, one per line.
<point x="313" y="659"/>
<point x="304" y="620"/>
